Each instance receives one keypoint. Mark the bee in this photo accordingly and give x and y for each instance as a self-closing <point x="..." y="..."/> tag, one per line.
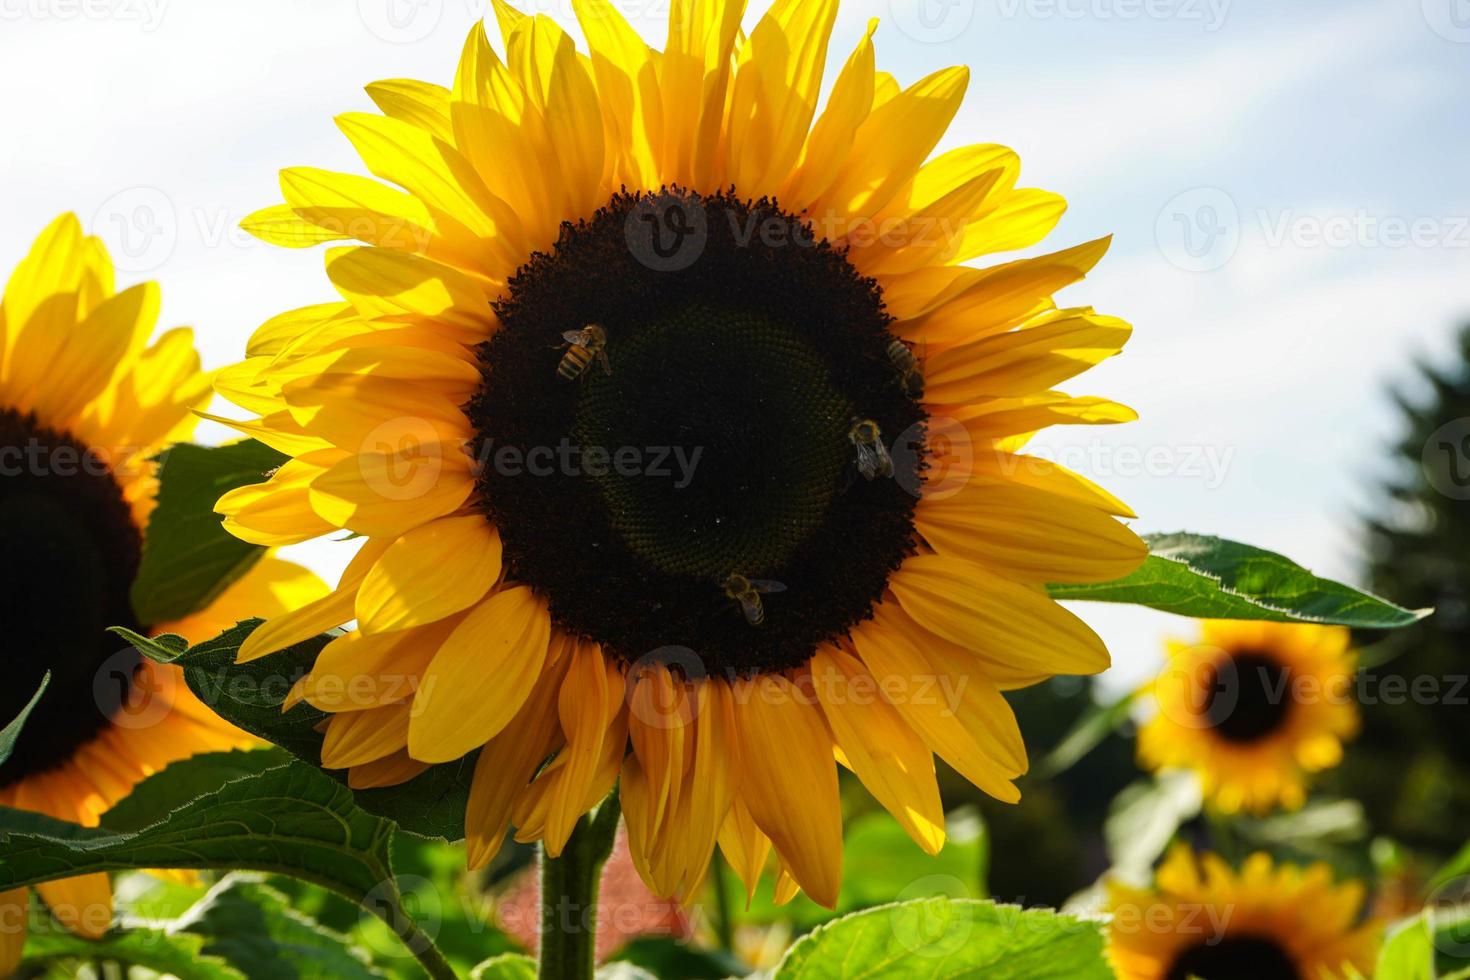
<point x="910" y="375"/>
<point x="872" y="456"/>
<point x="587" y="345"/>
<point x="748" y="592"/>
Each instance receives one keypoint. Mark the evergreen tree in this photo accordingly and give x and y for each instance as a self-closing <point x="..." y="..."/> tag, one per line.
<point x="1411" y="764"/>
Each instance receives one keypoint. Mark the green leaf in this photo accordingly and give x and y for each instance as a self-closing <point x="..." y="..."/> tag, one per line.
<point x="11" y="731"/>
<point x="881" y="864"/>
<point x="253" y="927"/>
<point x="1144" y="817"/>
<point x="1095" y="725"/>
<point x="1210" y="578"/>
<point x="943" y="938"/>
<point x="162" y="950"/>
<point x="161" y="649"/>
<point x="250" y="696"/>
<point x="188" y="557"/>
<point x="286" y="819"/>
<point x="672" y="959"/>
<point x="186" y="781"/>
<point x="508" y="966"/>
<point x="1408" y="953"/>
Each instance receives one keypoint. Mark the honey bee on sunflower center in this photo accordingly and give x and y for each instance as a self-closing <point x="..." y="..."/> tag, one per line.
<point x="910" y="373"/>
<point x="748" y="592"/>
<point x="872" y="456"/>
<point x="586" y="345"/>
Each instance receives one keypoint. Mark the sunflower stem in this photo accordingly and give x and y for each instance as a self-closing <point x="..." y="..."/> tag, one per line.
<point x="724" y="922"/>
<point x="569" y="886"/>
<point x="419" y="943"/>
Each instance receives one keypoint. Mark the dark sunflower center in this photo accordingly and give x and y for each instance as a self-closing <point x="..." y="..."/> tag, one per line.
<point x="70" y="551"/>
<point x="1249" y="697"/>
<point x="701" y="492"/>
<point x="1235" y="958"/>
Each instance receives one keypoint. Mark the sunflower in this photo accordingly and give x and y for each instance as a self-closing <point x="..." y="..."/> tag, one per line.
<point x="1253" y="708"/>
<point x="84" y="405"/>
<point x="1203" y="919"/>
<point x="671" y="419"/>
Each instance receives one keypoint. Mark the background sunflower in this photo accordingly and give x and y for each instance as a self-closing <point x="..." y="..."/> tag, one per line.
<point x="1253" y="708"/>
<point x="85" y="403"/>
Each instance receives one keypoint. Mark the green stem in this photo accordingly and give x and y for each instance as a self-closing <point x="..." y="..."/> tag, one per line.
<point x="418" y="942"/>
<point x="569" y="895"/>
<point x="724" y="923"/>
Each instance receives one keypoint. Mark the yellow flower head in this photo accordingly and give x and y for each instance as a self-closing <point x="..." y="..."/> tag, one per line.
<point x="672" y="417"/>
<point x="1253" y="708"/>
<point x="1268" y="922"/>
<point x="85" y="403"/>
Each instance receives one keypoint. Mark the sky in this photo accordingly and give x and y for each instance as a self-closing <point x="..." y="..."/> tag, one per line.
<point x="1286" y="182"/>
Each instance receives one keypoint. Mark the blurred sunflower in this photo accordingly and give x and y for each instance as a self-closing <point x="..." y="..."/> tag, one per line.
<point x="84" y="404"/>
<point x="671" y="418"/>
<point x="1253" y="708"/>
<point x="1203" y="919"/>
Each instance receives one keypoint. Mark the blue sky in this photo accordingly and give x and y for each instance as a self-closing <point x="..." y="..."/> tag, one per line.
<point x="1286" y="181"/>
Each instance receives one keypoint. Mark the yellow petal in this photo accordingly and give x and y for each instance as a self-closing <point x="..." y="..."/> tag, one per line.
<point x="380" y="282"/>
<point x="958" y="710"/>
<point x="591" y="698"/>
<point x="480" y="677"/>
<point x="506" y="765"/>
<point x="1029" y="534"/>
<point x="108" y="337"/>
<point x="15" y="909"/>
<point x="1020" y="362"/>
<point x="893" y="141"/>
<point x="357" y="737"/>
<point x="979" y="610"/>
<point x="422" y="104"/>
<point x="431" y="572"/>
<point x="280" y="225"/>
<point x="389" y="494"/>
<point x="83" y="904"/>
<point x="744" y="846"/>
<point x="789" y="781"/>
<point x="830" y="140"/>
<point x="886" y="754"/>
<point x="391" y="770"/>
<point x="775" y="92"/>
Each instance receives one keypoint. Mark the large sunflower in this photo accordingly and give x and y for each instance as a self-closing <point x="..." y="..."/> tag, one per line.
<point x="84" y="404"/>
<point x="1253" y="708"/>
<point x="1203" y="919"/>
<point x="671" y="418"/>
